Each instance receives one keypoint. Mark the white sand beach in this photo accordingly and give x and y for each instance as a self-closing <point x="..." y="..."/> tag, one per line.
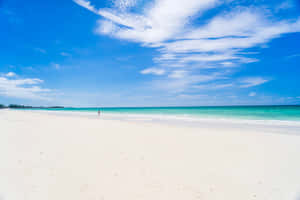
<point x="57" y="157"/>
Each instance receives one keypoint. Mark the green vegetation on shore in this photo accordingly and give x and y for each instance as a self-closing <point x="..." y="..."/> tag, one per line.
<point x="16" y="106"/>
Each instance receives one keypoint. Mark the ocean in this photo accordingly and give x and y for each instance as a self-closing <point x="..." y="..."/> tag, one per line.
<point x="284" y="113"/>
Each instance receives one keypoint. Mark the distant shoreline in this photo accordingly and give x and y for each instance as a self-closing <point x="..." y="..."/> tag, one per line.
<point x="15" y="106"/>
<point x="93" y="107"/>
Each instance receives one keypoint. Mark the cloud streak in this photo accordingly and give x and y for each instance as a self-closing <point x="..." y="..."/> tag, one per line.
<point x="252" y="81"/>
<point x="154" y="71"/>
<point x="86" y="4"/>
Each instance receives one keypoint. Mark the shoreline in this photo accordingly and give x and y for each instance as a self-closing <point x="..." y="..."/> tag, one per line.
<point x="277" y="126"/>
<point x="167" y="116"/>
<point x="276" y="113"/>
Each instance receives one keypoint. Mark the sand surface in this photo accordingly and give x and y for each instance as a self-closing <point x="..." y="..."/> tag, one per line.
<point x="51" y="157"/>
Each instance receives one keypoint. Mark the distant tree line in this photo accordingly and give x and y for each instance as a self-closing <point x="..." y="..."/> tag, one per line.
<point x="16" y="106"/>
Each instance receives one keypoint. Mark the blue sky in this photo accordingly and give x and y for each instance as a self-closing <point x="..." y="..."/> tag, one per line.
<point x="149" y="53"/>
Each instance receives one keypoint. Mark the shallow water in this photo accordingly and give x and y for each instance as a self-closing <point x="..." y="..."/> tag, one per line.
<point x="285" y="113"/>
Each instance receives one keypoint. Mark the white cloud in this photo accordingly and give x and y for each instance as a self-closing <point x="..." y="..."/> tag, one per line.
<point x="10" y="74"/>
<point x="252" y="81"/>
<point x="242" y="23"/>
<point x="106" y="27"/>
<point x="227" y="64"/>
<point x="219" y="42"/>
<point x="23" y="88"/>
<point x="159" y="21"/>
<point x="155" y="71"/>
<point x="239" y="29"/>
<point x="124" y="4"/>
<point x="259" y="34"/>
<point x="243" y="28"/>
<point x="252" y="94"/>
<point x="178" y="74"/>
<point x="27" y="81"/>
<point x="86" y="4"/>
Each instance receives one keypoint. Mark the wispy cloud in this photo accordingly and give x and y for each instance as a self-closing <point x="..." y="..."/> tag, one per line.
<point x="124" y="4"/>
<point x="252" y="81"/>
<point x="187" y="49"/>
<point x="215" y="86"/>
<point x="86" y="4"/>
<point x="10" y="74"/>
<point x="28" y="88"/>
<point x="179" y="81"/>
<point x="252" y="94"/>
<point x="178" y="74"/>
<point x="155" y="71"/>
<point x="161" y="21"/>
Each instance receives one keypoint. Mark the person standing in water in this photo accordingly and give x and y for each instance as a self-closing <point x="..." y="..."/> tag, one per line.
<point x="98" y="112"/>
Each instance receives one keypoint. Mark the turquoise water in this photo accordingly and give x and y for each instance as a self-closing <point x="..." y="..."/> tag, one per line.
<point x="289" y="113"/>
